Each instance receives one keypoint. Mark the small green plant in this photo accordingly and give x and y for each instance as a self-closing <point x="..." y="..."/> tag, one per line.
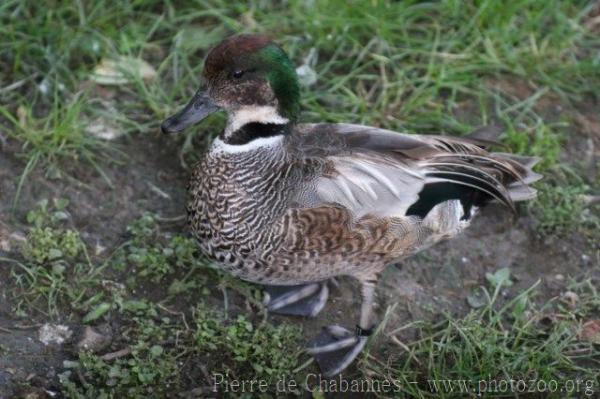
<point x="45" y="242"/>
<point x="149" y="255"/>
<point x="243" y="348"/>
<point x="50" y="245"/>
<point x="146" y="373"/>
<point x="48" y="213"/>
<point x="56" y="267"/>
<point x="499" y="278"/>
<point x="143" y="229"/>
<point x="149" y="369"/>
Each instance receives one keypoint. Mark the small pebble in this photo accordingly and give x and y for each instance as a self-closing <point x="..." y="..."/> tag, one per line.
<point x="54" y="334"/>
<point x="99" y="249"/>
<point x="93" y="341"/>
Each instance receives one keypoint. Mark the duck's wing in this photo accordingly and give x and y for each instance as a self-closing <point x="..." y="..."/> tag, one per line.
<point x="383" y="173"/>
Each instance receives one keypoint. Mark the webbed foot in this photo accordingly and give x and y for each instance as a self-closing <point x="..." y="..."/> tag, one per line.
<point x="336" y="347"/>
<point x="298" y="300"/>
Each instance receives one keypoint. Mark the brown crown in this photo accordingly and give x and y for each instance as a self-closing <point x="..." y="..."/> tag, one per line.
<point x="230" y="49"/>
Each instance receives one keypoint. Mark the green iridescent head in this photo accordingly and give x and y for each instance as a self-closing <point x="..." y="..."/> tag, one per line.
<point x="243" y="71"/>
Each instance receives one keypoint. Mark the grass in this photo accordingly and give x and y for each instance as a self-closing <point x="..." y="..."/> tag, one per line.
<point x="421" y="67"/>
<point x="413" y="64"/>
<point x="562" y="209"/>
<point x="518" y="340"/>
<point x="57" y="136"/>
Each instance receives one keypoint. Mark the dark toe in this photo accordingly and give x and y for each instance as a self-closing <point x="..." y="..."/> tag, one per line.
<point x="299" y="300"/>
<point x="334" y="352"/>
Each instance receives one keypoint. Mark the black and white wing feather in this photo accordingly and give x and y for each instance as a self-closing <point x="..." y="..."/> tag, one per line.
<point x="384" y="173"/>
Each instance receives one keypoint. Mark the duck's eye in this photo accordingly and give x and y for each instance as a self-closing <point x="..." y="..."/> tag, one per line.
<point x="237" y="74"/>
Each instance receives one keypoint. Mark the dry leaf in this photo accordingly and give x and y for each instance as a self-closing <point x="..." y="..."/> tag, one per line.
<point x="590" y="332"/>
<point x="103" y="129"/>
<point x="122" y="71"/>
<point x="306" y="75"/>
<point x="570" y="299"/>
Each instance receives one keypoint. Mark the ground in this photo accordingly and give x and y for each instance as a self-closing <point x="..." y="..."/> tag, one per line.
<point x="92" y="229"/>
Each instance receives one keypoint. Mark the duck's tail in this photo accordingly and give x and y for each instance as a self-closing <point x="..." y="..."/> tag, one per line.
<point x="519" y="187"/>
<point x="464" y="169"/>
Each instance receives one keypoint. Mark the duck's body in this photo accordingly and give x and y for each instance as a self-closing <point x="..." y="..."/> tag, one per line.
<point x="285" y="204"/>
<point x="319" y="201"/>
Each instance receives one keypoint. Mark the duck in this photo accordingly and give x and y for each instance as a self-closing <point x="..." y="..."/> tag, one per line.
<point x="291" y="205"/>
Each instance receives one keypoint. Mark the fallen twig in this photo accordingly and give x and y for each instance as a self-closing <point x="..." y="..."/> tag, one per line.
<point x="176" y="313"/>
<point x="116" y="355"/>
<point x="26" y="326"/>
<point x="173" y="219"/>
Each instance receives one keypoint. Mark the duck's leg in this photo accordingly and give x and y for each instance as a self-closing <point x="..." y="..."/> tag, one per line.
<point x="336" y="347"/>
<point x="298" y="300"/>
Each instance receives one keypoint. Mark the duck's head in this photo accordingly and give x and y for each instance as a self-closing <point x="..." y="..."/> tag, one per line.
<point x="249" y="77"/>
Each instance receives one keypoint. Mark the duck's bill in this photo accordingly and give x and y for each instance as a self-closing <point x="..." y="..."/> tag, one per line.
<point x="197" y="109"/>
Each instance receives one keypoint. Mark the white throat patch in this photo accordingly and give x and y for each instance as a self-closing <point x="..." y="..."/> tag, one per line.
<point x="249" y="114"/>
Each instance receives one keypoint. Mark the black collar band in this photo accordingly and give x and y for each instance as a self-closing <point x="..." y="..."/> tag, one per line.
<point x="254" y="130"/>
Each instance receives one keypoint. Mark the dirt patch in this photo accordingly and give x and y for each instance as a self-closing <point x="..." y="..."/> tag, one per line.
<point x="147" y="177"/>
<point x="523" y="89"/>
